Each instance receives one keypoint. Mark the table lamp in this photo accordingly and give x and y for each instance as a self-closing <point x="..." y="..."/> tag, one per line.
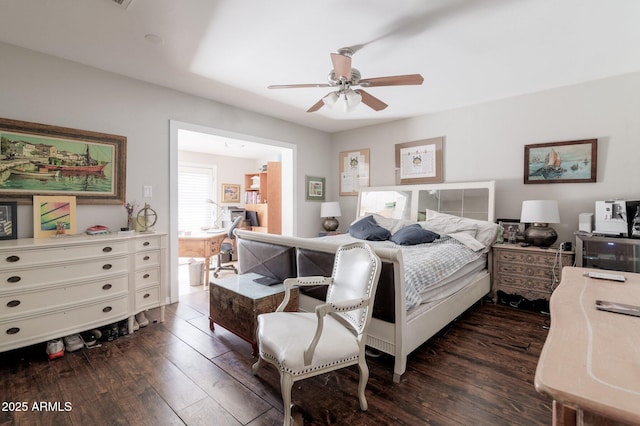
<point x="329" y="211"/>
<point x="540" y="213"/>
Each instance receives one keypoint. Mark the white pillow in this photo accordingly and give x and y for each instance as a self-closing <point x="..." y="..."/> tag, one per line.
<point x="393" y="225"/>
<point x="485" y="232"/>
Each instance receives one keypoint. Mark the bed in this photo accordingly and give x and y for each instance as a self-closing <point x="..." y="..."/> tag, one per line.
<point x="405" y="316"/>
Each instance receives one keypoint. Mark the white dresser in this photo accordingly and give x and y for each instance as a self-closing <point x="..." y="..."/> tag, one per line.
<point x="54" y="287"/>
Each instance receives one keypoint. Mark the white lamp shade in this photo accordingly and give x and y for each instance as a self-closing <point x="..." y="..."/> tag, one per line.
<point x="351" y="100"/>
<point x="540" y="211"/>
<point x="331" y="99"/>
<point x="330" y="209"/>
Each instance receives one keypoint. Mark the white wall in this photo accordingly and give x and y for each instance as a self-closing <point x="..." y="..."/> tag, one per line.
<point x="45" y="89"/>
<point x="487" y="142"/>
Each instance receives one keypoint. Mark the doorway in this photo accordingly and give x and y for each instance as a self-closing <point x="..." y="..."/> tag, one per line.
<point x="209" y="144"/>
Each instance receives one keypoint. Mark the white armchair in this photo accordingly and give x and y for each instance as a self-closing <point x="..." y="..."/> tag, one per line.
<point x="302" y="344"/>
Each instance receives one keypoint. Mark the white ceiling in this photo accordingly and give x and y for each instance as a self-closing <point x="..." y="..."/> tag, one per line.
<point x="469" y="51"/>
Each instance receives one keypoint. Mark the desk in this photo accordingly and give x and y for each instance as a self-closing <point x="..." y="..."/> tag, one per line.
<point x="201" y="245"/>
<point x="590" y="362"/>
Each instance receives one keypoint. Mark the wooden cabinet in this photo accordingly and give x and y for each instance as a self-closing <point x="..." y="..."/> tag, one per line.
<point x="50" y="288"/>
<point x="235" y="303"/>
<point x="263" y="194"/>
<point x="530" y="272"/>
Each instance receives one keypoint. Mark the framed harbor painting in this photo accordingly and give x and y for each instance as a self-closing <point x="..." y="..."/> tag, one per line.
<point x="39" y="159"/>
<point x="561" y="162"/>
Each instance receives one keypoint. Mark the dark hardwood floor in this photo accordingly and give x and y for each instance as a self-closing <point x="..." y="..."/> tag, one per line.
<point x="479" y="371"/>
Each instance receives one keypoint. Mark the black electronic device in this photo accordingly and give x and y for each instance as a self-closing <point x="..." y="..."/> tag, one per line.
<point x="267" y="281"/>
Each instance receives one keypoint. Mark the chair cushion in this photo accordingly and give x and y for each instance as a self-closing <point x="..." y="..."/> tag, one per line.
<point x="283" y="337"/>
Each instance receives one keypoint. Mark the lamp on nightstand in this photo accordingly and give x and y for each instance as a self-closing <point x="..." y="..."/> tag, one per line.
<point x="329" y="211"/>
<point x="540" y="213"/>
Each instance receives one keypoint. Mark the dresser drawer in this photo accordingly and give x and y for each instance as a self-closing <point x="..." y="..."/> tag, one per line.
<point x="147" y="258"/>
<point x="147" y="277"/>
<point x="528" y="270"/>
<point x="525" y="283"/>
<point x="69" y="272"/>
<point x="52" y="297"/>
<point x="147" y="298"/>
<point x="539" y="259"/>
<point x="27" y="330"/>
<point x="21" y="258"/>
<point x="147" y="243"/>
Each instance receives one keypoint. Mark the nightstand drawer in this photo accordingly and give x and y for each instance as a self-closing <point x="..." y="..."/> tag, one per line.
<point x="528" y="270"/>
<point x="524" y="282"/>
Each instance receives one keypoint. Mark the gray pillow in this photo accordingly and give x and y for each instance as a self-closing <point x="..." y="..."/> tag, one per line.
<point x="367" y="229"/>
<point x="414" y="234"/>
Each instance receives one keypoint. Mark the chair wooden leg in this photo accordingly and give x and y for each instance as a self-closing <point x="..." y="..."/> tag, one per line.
<point x="256" y="366"/>
<point x="362" y="384"/>
<point x="286" y="383"/>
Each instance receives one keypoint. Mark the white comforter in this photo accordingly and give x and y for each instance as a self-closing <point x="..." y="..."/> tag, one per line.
<point x="425" y="265"/>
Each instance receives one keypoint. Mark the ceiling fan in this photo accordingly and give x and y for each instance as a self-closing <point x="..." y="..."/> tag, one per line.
<point x="344" y="78"/>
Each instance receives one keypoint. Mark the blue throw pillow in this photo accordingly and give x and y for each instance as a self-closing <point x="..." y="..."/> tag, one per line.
<point x="368" y="229"/>
<point x="413" y="234"/>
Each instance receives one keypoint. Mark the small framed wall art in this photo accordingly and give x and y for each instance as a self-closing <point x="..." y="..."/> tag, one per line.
<point x="53" y="215"/>
<point x="561" y="162"/>
<point x="420" y="161"/>
<point x="354" y="171"/>
<point x="315" y="188"/>
<point x="230" y="193"/>
<point x="8" y="220"/>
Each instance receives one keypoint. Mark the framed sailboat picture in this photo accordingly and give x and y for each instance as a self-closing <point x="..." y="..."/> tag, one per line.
<point x="39" y="159"/>
<point x="561" y="162"/>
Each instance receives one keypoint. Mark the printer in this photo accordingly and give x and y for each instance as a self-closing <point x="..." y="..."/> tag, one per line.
<point x="611" y="218"/>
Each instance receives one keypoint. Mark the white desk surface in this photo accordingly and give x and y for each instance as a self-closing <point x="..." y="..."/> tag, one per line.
<point x="591" y="358"/>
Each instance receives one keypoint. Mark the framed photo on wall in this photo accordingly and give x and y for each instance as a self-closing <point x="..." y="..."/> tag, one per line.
<point x="230" y="193"/>
<point x="40" y="159"/>
<point x="315" y="188"/>
<point x="420" y="161"/>
<point x="354" y="171"/>
<point x="561" y="162"/>
<point x="53" y="215"/>
<point x="8" y="220"/>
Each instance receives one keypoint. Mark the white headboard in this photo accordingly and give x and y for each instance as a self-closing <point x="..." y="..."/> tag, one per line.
<point x="474" y="200"/>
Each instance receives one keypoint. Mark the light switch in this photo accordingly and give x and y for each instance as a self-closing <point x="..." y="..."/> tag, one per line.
<point x="147" y="191"/>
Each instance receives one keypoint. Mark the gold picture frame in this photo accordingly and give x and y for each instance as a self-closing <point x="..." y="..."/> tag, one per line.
<point x="230" y="193"/>
<point x="420" y="161"/>
<point x="354" y="171"/>
<point x="63" y="162"/>
<point x="53" y="215"/>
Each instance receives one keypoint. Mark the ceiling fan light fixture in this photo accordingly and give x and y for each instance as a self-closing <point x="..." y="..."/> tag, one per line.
<point x="331" y="99"/>
<point x="351" y="100"/>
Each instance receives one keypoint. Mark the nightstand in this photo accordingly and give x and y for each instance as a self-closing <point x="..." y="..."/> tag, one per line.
<point x="530" y="272"/>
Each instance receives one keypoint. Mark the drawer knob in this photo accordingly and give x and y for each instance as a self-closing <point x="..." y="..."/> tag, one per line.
<point x="146" y="258"/>
<point x="13" y="258"/>
<point x="107" y="287"/>
<point x="146" y="243"/>
<point x="107" y="249"/>
<point x="13" y="303"/>
<point x="107" y="266"/>
<point x="145" y="276"/>
<point x="146" y="296"/>
<point x="14" y="279"/>
<point x="13" y="330"/>
<point x="107" y="309"/>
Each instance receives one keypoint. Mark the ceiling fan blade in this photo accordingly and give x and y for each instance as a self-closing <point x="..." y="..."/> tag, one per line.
<point x="341" y="65"/>
<point x="316" y="106"/>
<point x="297" y="86"/>
<point x="371" y="101"/>
<point x="395" y="80"/>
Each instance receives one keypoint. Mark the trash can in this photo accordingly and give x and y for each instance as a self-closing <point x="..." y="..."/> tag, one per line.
<point x="196" y="272"/>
